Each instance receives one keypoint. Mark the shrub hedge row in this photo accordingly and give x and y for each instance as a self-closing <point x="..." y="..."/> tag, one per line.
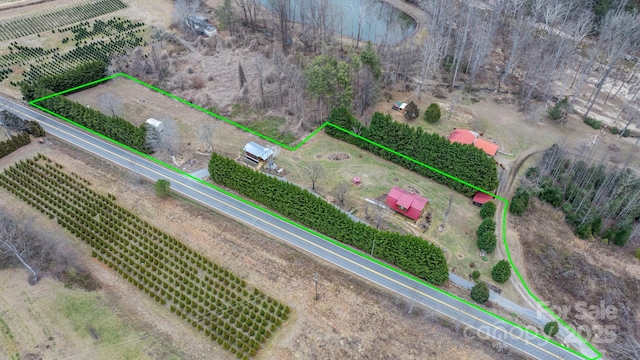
<point x="410" y="253"/>
<point x="464" y="162"/>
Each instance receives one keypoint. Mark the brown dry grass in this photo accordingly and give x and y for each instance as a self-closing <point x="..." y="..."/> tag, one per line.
<point x="50" y="321"/>
<point x="568" y="270"/>
<point x="352" y="319"/>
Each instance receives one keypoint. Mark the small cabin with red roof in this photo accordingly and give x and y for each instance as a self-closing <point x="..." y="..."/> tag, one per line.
<point x="406" y="203"/>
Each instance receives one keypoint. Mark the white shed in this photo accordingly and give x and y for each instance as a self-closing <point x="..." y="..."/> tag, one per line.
<point x="157" y="124"/>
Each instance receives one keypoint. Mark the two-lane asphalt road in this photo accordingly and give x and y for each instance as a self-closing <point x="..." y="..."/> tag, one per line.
<point x="485" y="325"/>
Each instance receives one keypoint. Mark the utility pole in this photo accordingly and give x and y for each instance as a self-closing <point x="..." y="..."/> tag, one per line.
<point x="315" y="280"/>
<point x="453" y="102"/>
<point x="135" y="172"/>
<point x="373" y="245"/>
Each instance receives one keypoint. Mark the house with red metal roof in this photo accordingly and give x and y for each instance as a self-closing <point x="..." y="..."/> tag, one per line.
<point x="469" y="137"/>
<point x="490" y="148"/>
<point x="463" y="136"/>
<point x="406" y="203"/>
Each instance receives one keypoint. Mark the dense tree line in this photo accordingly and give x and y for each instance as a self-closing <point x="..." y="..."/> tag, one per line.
<point x="409" y="253"/>
<point x="464" y="162"/>
<point x="519" y="202"/>
<point x="598" y="200"/>
<point x="12" y="122"/>
<point x="84" y="73"/>
<point x="113" y="127"/>
<point x="14" y="143"/>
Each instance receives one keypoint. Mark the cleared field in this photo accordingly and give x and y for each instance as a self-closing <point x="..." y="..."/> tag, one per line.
<point x="208" y="296"/>
<point x="138" y="103"/>
<point x="51" y="321"/>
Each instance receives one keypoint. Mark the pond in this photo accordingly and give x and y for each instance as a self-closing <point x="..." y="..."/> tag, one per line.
<point x="377" y="21"/>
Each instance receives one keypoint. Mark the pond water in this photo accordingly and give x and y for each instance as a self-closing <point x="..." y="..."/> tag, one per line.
<point x="379" y="21"/>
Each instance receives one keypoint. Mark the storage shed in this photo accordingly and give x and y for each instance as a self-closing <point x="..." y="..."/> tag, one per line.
<point x="406" y="203"/>
<point x="257" y="153"/>
<point x="480" y="198"/>
<point x="157" y="124"/>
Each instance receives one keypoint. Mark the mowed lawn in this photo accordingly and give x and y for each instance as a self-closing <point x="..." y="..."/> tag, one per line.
<point x="378" y="176"/>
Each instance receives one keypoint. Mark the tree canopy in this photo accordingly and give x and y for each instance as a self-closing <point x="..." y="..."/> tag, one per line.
<point x="480" y="292"/>
<point x="369" y="58"/>
<point x="329" y="78"/>
<point x="432" y="114"/>
<point x="501" y="272"/>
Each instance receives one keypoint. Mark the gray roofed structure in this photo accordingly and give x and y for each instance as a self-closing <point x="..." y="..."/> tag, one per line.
<point x="258" y="151"/>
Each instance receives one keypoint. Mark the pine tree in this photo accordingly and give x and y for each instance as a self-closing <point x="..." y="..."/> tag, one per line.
<point x="432" y="114"/>
<point x="501" y="271"/>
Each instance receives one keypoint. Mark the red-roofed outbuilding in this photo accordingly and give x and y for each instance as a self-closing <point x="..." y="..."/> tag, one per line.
<point x="480" y="198"/>
<point x="463" y="136"/>
<point x="406" y="203"/>
<point x="490" y="148"/>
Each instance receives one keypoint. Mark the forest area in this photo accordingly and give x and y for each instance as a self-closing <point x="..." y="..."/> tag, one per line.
<point x="597" y="199"/>
<point x="571" y="56"/>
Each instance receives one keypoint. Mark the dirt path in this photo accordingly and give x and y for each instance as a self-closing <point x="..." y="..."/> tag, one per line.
<point x="515" y="249"/>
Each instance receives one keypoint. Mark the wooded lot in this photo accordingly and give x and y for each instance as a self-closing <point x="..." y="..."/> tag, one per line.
<point x="594" y="197"/>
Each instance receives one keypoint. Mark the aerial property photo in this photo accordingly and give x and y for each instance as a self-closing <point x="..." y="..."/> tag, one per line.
<point x="319" y="179"/>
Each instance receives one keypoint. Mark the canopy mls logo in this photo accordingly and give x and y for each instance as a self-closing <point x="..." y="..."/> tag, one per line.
<point x="529" y="332"/>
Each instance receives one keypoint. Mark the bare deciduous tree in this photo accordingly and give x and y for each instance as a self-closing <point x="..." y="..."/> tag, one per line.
<point x="447" y="210"/>
<point x="11" y="243"/>
<point x="182" y="9"/>
<point x="250" y="10"/>
<point x="279" y="61"/>
<point x="241" y="78"/>
<point x="109" y="103"/>
<point x="367" y="89"/>
<point x="205" y="134"/>
<point x="259" y="64"/>
<point x="313" y="172"/>
<point x="170" y="136"/>
<point x="341" y="191"/>
<point x="282" y="11"/>
<point x="160" y="65"/>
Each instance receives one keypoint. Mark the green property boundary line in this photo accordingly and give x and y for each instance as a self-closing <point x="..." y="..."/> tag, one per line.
<point x="337" y="243"/>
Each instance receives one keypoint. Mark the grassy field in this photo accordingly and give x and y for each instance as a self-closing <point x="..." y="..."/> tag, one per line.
<point x="378" y="176"/>
<point x="51" y="321"/>
<point x="258" y="121"/>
